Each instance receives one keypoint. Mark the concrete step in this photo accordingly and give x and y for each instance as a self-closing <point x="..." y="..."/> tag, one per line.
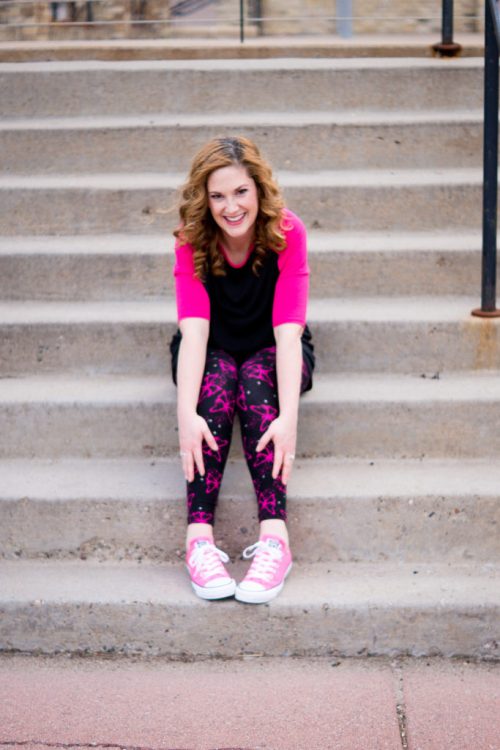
<point x="352" y="200"/>
<point x="350" y="415"/>
<point x="335" y="608"/>
<point x="49" y="89"/>
<point x="339" y="511"/>
<point x="405" y="335"/>
<point x="302" y="141"/>
<point x="359" y="46"/>
<point x="117" y="267"/>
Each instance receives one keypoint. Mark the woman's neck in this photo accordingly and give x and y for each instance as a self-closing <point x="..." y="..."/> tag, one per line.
<point x="237" y="248"/>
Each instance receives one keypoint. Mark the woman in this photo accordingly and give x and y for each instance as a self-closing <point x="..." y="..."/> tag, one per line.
<point x="241" y="284"/>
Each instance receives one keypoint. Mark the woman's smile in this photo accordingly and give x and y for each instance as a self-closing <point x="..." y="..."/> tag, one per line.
<point x="234" y="205"/>
<point x="235" y="219"/>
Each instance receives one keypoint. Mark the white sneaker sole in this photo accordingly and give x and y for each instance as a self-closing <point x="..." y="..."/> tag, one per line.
<point x="260" y="597"/>
<point x="215" y="592"/>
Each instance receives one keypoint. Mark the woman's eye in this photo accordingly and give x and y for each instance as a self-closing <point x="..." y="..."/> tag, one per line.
<point x="242" y="191"/>
<point x="215" y="196"/>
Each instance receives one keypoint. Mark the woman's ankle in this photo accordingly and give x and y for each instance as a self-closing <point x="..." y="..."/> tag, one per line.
<point x="197" y="530"/>
<point x="274" y="527"/>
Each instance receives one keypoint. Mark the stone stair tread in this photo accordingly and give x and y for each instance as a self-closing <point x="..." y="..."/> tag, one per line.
<point x="138" y="311"/>
<point x="398" y="310"/>
<point x="319" y="242"/>
<point x="287" y="179"/>
<point x="445" y="240"/>
<point x="283" y="63"/>
<point x="453" y="387"/>
<point x="146" y="480"/>
<point x="378" y="45"/>
<point x="104" y="244"/>
<point x="339" y="585"/>
<point x="347" y="609"/>
<point x="242" y="119"/>
<point x="377" y="309"/>
<point x="401" y="556"/>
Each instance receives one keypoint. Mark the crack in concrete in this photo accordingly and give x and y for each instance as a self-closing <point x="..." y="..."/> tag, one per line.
<point x="400" y="706"/>
<point x="68" y="745"/>
<point x="401" y="714"/>
<point x="42" y="743"/>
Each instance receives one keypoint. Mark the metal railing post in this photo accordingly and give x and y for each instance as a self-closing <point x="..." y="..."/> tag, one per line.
<point x="490" y="170"/>
<point x="344" y="18"/>
<point x="447" y="47"/>
<point x="258" y="16"/>
<point x="242" y="21"/>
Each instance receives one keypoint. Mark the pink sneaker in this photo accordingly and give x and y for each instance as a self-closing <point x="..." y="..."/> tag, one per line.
<point x="271" y="564"/>
<point x="209" y="577"/>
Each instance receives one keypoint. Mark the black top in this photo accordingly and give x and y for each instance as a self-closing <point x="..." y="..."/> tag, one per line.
<point x="241" y="307"/>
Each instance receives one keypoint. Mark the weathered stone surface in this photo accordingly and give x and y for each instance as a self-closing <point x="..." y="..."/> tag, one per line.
<point x="339" y="510"/>
<point x="394" y="527"/>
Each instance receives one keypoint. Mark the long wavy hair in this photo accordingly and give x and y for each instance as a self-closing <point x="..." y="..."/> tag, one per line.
<point x="197" y="225"/>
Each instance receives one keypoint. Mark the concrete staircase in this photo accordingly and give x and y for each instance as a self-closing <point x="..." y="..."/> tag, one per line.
<point x="395" y="502"/>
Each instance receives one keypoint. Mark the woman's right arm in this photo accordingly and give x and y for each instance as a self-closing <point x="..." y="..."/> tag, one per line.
<point x="193" y="429"/>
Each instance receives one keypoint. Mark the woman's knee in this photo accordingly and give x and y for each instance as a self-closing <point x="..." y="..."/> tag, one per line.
<point x="218" y="387"/>
<point x="257" y="398"/>
<point x="257" y="379"/>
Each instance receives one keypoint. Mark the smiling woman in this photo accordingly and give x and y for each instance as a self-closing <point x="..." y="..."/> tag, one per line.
<point x="243" y="347"/>
<point x="233" y="203"/>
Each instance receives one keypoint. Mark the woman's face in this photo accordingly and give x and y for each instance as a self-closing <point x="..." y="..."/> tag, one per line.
<point x="233" y="203"/>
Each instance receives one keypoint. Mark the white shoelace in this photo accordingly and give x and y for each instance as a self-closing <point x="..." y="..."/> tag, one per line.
<point x="266" y="560"/>
<point x="207" y="558"/>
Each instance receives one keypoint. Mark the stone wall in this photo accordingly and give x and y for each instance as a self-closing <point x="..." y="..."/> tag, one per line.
<point x="209" y="18"/>
<point x="369" y="16"/>
<point x="118" y="19"/>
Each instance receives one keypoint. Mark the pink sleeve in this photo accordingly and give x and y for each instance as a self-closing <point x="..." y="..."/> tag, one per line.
<point x="292" y="287"/>
<point x="192" y="297"/>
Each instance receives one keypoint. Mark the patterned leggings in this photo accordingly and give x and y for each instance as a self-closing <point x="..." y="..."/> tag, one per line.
<point x="251" y="390"/>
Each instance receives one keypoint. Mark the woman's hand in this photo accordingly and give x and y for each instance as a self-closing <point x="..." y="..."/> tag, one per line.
<point x="193" y="429"/>
<point x="283" y="433"/>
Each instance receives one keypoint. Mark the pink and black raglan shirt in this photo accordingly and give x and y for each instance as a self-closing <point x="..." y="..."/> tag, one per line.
<point x="243" y="308"/>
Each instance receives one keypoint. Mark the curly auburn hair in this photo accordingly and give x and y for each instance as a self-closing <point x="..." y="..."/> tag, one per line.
<point x="197" y="225"/>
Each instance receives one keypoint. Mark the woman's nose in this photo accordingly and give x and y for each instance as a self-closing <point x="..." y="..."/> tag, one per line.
<point x="231" y="204"/>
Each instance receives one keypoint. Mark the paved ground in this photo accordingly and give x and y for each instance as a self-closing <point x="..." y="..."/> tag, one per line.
<point x="253" y="704"/>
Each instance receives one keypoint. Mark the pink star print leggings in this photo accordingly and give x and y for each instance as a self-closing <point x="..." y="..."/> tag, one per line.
<point x="251" y="390"/>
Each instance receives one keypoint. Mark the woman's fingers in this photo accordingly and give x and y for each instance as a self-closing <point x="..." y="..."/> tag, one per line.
<point x="198" y="459"/>
<point x="187" y="465"/>
<point x="283" y="456"/>
<point x="189" y="460"/>
<point x="191" y="451"/>
<point x="263" y="441"/>
<point x="210" y="440"/>
<point x="283" y="461"/>
<point x="287" y="467"/>
<point x="278" y="462"/>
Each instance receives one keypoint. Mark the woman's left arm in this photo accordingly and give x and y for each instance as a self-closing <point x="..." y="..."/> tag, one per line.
<point x="283" y="430"/>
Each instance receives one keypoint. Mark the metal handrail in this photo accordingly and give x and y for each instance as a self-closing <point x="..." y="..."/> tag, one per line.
<point x="488" y="307"/>
<point x="447" y="47"/>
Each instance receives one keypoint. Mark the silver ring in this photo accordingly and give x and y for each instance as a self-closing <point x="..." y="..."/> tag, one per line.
<point x="290" y="456"/>
<point x="182" y="453"/>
